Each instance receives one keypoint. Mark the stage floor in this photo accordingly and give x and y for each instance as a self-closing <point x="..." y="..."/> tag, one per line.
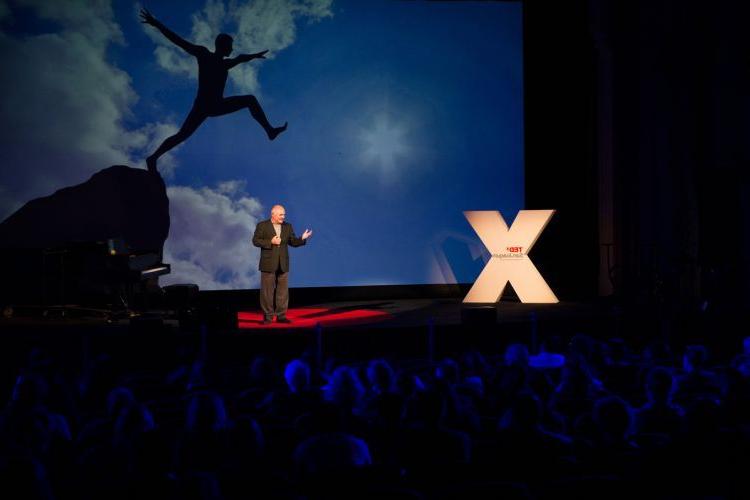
<point x="419" y="327"/>
<point x="383" y="313"/>
<point x="418" y="313"/>
<point x="398" y="313"/>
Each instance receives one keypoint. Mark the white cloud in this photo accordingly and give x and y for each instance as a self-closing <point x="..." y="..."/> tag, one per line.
<point x="63" y="104"/>
<point x="255" y="26"/>
<point x="4" y="12"/>
<point x="208" y="22"/>
<point x="231" y="187"/>
<point x="92" y="18"/>
<point x="210" y="237"/>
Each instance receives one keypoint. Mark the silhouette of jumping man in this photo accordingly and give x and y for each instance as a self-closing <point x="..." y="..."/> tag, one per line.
<point x="213" y="70"/>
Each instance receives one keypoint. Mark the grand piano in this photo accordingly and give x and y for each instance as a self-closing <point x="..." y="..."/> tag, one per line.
<point x="106" y="274"/>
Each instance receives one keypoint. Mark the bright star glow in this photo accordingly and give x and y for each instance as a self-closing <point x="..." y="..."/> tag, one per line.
<point x="384" y="144"/>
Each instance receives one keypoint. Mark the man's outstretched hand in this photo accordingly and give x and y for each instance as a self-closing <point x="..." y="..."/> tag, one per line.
<point x="259" y="55"/>
<point x="306" y="234"/>
<point x="148" y="18"/>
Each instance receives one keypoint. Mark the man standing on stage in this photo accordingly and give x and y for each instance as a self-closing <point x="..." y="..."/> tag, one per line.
<point x="274" y="236"/>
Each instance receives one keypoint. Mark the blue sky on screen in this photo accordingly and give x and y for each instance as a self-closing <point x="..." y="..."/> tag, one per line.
<point x="401" y="115"/>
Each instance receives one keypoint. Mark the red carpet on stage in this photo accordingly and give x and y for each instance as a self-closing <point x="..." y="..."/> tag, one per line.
<point x="308" y="317"/>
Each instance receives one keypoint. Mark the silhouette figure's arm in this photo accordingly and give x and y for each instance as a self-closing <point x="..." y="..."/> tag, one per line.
<point x="243" y="58"/>
<point x="173" y="37"/>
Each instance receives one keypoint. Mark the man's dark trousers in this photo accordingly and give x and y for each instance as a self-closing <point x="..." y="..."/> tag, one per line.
<point x="274" y="293"/>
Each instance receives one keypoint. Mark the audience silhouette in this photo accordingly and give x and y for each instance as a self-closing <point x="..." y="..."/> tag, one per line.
<point x="381" y="427"/>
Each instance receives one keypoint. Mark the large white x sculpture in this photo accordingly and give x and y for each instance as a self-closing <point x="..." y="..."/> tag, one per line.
<point x="509" y="261"/>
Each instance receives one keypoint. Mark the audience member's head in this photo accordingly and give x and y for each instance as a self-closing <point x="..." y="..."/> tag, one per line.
<point x="613" y="418"/>
<point x="514" y="379"/>
<point x="250" y="439"/>
<point x="473" y="386"/>
<point x="517" y="355"/>
<point x="426" y="407"/>
<point x="297" y="375"/>
<point x="29" y="391"/>
<point x="29" y="429"/>
<point x="582" y="345"/>
<point x="40" y="361"/>
<point x="132" y="421"/>
<point x="659" y="385"/>
<point x="703" y="417"/>
<point x="324" y="418"/>
<point x="552" y="344"/>
<point x="657" y="352"/>
<point x="408" y="384"/>
<point x="118" y="399"/>
<point x="741" y="364"/>
<point x="381" y="377"/>
<point x="447" y="372"/>
<point x="197" y="379"/>
<point x="206" y="413"/>
<point x="617" y="351"/>
<point x="344" y="388"/>
<point x="695" y="358"/>
<point x="523" y="414"/>
<point x="474" y="363"/>
<point x="98" y="379"/>
<point x="389" y="409"/>
<point x="576" y="379"/>
<point x="262" y="372"/>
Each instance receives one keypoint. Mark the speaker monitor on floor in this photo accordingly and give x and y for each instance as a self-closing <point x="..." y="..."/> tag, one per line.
<point x="181" y="296"/>
<point x="218" y="317"/>
<point x="485" y="314"/>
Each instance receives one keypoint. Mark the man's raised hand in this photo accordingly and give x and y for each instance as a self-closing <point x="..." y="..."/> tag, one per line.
<point x="306" y="234"/>
<point x="260" y="55"/>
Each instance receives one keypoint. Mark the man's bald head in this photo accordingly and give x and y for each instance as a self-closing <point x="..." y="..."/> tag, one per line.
<point x="277" y="214"/>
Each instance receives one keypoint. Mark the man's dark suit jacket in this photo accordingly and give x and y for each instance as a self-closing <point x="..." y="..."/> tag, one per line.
<point x="274" y="257"/>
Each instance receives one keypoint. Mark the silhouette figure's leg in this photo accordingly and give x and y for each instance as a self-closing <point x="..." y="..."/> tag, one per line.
<point x="192" y="122"/>
<point x="232" y="104"/>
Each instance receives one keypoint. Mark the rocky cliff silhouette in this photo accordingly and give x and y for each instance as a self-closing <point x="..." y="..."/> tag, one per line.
<point x="117" y="202"/>
<point x="54" y="248"/>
